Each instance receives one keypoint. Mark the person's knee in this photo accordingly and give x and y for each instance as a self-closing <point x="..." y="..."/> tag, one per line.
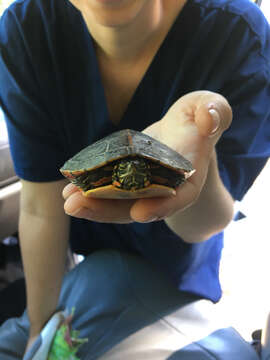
<point x="100" y="277"/>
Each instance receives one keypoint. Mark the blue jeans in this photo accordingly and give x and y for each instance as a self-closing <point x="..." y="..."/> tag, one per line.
<point x="129" y="310"/>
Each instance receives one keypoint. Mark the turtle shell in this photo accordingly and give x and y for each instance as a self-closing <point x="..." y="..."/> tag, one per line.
<point x="120" y="145"/>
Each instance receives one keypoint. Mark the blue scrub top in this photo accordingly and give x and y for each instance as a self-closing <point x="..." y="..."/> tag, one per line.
<point x="53" y="98"/>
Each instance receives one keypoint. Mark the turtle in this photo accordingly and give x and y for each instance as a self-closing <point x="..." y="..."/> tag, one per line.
<point x="127" y="164"/>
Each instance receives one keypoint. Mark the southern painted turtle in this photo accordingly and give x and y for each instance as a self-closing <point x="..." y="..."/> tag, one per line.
<point x="127" y="164"/>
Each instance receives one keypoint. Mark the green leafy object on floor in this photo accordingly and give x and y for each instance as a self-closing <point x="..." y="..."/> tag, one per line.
<point x="66" y="342"/>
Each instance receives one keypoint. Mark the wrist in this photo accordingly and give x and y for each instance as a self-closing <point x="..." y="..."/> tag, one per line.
<point x="35" y="329"/>
<point x="36" y="326"/>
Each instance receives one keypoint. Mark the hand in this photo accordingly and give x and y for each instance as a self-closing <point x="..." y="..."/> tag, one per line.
<point x="188" y="128"/>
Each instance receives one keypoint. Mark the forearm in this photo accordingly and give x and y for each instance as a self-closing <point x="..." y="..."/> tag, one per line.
<point x="210" y="214"/>
<point x="44" y="233"/>
<point x="44" y="248"/>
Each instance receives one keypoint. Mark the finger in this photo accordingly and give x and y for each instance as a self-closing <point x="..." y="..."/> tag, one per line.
<point x="68" y="190"/>
<point x="99" y="210"/>
<point x="213" y="115"/>
<point x="196" y="106"/>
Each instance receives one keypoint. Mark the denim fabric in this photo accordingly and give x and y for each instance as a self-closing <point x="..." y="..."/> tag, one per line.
<point x="126" y="307"/>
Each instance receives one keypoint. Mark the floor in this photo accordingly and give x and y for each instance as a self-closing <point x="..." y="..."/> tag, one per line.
<point x="245" y="261"/>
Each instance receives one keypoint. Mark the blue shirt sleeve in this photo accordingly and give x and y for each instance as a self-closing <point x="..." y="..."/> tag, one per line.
<point x="244" y="148"/>
<point x="35" y="132"/>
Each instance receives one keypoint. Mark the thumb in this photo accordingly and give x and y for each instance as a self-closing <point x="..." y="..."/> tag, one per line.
<point x="213" y="114"/>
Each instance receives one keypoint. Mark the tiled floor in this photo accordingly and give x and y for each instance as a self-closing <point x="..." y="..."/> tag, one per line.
<point x="245" y="269"/>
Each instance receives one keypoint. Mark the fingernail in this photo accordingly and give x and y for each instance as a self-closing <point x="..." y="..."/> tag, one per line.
<point x="154" y="218"/>
<point x="216" y="120"/>
<point x="67" y="191"/>
<point x="75" y="212"/>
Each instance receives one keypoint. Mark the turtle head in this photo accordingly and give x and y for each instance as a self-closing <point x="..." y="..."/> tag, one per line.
<point x="131" y="174"/>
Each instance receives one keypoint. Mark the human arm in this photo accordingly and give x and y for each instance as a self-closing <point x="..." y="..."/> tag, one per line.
<point x="38" y="147"/>
<point x="43" y="230"/>
<point x="187" y="129"/>
<point x="202" y="206"/>
<point x="211" y="213"/>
